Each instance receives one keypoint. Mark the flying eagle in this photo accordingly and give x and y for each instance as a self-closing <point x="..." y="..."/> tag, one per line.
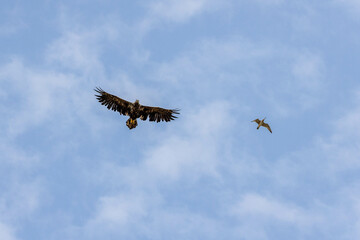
<point x="135" y="110"/>
<point x="261" y="123"/>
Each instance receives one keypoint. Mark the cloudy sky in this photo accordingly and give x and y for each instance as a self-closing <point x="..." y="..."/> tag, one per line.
<point x="71" y="169"/>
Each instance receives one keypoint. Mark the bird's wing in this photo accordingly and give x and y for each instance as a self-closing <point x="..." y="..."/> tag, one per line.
<point x="256" y="120"/>
<point x="113" y="102"/>
<point x="267" y="126"/>
<point x="158" y="114"/>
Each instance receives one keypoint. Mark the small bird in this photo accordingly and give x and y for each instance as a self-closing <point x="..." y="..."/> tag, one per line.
<point x="261" y="123"/>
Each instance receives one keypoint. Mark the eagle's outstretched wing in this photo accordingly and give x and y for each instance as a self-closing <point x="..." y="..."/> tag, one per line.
<point x="256" y="120"/>
<point x="267" y="126"/>
<point x="158" y="114"/>
<point x="113" y="102"/>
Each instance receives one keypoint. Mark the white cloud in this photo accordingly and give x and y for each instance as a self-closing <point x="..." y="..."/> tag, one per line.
<point x="81" y="47"/>
<point x="136" y="199"/>
<point x="20" y="199"/>
<point x="178" y="11"/>
<point x="10" y="28"/>
<point x="324" y="174"/>
<point x="265" y="209"/>
<point x="188" y="157"/>
<point x="38" y="95"/>
<point x="346" y="127"/>
<point x="308" y="68"/>
<point x="13" y="156"/>
<point x="209" y="58"/>
<point x="12" y="21"/>
<point x="341" y="147"/>
<point x="116" y="211"/>
<point x="172" y="11"/>
<point x="172" y="158"/>
<point x="152" y="219"/>
<point x="181" y="11"/>
<point x="175" y="156"/>
<point x="237" y="63"/>
<point x="58" y="95"/>
<point x="269" y="2"/>
<point x="6" y="232"/>
<point x="352" y="6"/>
<point x="255" y="214"/>
<point x="76" y="51"/>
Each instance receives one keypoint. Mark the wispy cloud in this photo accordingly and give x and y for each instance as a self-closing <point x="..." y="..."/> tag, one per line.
<point x="117" y="211"/>
<point x="353" y="6"/>
<point x="38" y="99"/>
<point x="177" y="11"/>
<point x="6" y="232"/>
<point x="202" y="176"/>
<point x="13" y="22"/>
<point x="260" y="208"/>
<point x="238" y="63"/>
<point x="171" y="160"/>
<point x="21" y="193"/>
<point x="162" y="12"/>
<point x="269" y="1"/>
<point x="141" y="191"/>
<point x="21" y="199"/>
<point x="76" y="51"/>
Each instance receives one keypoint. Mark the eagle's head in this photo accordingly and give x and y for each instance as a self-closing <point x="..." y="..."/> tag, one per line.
<point x="136" y="103"/>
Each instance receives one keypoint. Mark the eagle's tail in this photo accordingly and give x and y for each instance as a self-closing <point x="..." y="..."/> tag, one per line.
<point x="131" y="123"/>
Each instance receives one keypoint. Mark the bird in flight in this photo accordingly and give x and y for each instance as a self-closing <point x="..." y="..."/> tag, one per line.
<point x="261" y="123"/>
<point x="135" y="110"/>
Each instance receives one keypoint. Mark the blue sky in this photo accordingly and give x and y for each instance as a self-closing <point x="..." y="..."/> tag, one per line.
<point x="71" y="169"/>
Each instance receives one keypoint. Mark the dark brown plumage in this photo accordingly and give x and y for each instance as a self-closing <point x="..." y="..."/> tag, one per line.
<point x="135" y="110"/>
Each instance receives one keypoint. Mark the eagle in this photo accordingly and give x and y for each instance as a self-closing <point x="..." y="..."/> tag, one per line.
<point x="261" y="123"/>
<point x="134" y="110"/>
